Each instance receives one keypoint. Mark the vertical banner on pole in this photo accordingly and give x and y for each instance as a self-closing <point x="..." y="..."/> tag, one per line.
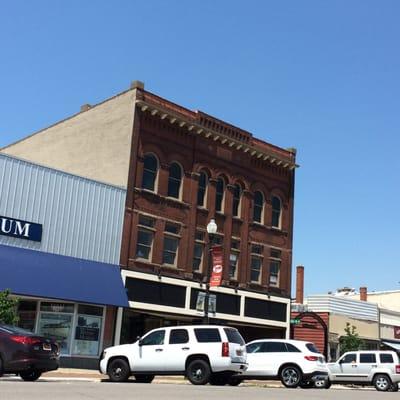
<point x="217" y="266"/>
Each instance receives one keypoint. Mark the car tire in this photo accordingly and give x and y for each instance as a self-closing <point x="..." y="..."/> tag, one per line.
<point x="306" y="385"/>
<point x="218" y="379"/>
<point x="1" y="366"/>
<point x="328" y="384"/>
<point x="144" y="378"/>
<point x="382" y="382"/>
<point x="234" y="381"/>
<point x="198" y="372"/>
<point x="290" y="376"/>
<point x="31" y="375"/>
<point x="118" y="370"/>
<point x="394" y="387"/>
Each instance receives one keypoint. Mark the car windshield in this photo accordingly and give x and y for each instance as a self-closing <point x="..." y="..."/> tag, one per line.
<point x="312" y="348"/>
<point x="14" y="330"/>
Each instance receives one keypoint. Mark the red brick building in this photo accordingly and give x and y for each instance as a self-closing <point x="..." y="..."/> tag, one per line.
<point x="186" y="168"/>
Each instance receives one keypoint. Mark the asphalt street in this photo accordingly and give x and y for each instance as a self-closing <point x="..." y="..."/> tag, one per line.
<point x="51" y="389"/>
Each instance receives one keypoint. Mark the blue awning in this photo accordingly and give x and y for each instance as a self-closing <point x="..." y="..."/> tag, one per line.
<point x="34" y="273"/>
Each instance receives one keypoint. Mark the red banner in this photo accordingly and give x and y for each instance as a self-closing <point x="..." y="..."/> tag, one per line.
<point x="217" y="266"/>
<point x="396" y="332"/>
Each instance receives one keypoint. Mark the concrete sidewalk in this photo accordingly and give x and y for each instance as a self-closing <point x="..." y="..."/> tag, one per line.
<point x="93" y="375"/>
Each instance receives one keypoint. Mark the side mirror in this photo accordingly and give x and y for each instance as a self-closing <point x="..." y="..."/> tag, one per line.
<point x="140" y="342"/>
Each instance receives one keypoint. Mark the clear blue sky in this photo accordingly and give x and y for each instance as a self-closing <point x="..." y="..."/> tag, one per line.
<point x="316" y="75"/>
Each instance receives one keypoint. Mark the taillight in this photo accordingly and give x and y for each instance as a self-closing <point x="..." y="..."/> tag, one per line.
<point x="225" y="349"/>
<point x="25" y="339"/>
<point x="311" y="358"/>
<point x="397" y="369"/>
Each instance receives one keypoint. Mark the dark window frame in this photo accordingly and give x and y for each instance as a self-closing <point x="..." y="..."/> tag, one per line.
<point x="149" y="176"/>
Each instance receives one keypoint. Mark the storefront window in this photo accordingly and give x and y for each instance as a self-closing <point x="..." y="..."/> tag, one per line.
<point x="56" y="322"/>
<point x="57" y="327"/>
<point x="88" y="330"/>
<point x="27" y="314"/>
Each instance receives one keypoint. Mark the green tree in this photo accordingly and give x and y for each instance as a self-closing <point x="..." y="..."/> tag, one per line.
<point x="8" y="308"/>
<point x="351" y="341"/>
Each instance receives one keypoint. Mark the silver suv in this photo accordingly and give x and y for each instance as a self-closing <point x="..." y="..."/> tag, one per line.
<point x="378" y="368"/>
<point x="203" y="353"/>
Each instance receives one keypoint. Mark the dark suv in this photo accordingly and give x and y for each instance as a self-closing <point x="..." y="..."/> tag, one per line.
<point x="26" y="354"/>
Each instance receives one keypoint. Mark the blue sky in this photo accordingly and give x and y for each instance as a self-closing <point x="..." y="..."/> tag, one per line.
<point x="316" y="75"/>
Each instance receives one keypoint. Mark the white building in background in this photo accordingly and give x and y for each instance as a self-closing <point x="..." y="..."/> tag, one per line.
<point x="388" y="303"/>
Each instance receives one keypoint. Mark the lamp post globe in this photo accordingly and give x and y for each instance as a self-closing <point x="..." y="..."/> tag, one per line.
<point x="211" y="230"/>
<point x="212" y="227"/>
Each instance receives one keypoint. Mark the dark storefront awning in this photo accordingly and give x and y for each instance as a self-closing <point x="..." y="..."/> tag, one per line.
<point x="33" y="273"/>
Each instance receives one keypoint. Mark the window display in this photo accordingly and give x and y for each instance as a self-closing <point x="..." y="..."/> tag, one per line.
<point x="87" y="335"/>
<point x="57" y="327"/>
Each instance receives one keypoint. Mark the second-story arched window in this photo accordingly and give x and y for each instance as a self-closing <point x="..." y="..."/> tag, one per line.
<point x="276" y="212"/>
<point x="201" y="193"/>
<point x="174" y="180"/>
<point x="219" y="196"/>
<point x="258" y="206"/>
<point x="150" y="168"/>
<point x="237" y="194"/>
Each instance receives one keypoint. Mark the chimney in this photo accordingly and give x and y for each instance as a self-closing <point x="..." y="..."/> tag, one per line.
<point x="137" y="85"/>
<point x="363" y="293"/>
<point x="85" y="107"/>
<point x="299" y="284"/>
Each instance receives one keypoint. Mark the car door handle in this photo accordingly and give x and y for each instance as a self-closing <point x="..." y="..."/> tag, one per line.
<point x="185" y="348"/>
<point x="374" y="366"/>
<point x="354" y="366"/>
<point x="159" y="349"/>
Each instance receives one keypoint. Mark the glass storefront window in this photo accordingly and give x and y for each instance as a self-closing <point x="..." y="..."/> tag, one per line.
<point x="76" y="328"/>
<point x="58" y="327"/>
<point x="88" y="330"/>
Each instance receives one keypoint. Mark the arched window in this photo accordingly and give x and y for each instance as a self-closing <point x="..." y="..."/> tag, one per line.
<point x="237" y="193"/>
<point x="219" y="197"/>
<point x="258" y="206"/>
<point x="276" y="212"/>
<point x="201" y="194"/>
<point x="174" y="180"/>
<point x="150" y="167"/>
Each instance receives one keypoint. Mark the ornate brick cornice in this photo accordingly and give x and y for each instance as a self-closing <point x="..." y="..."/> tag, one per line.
<point x="201" y="124"/>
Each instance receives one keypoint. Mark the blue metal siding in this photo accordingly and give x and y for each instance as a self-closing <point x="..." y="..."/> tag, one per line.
<point x="81" y="218"/>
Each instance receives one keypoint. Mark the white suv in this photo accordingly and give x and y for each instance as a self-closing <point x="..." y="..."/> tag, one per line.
<point x="293" y="362"/>
<point x="203" y="353"/>
<point x="378" y="368"/>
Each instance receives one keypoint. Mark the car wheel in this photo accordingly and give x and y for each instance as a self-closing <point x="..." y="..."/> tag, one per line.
<point x="218" y="380"/>
<point x="1" y="366"/>
<point x="30" y="376"/>
<point x="306" y="385"/>
<point x="382" y="382"/>
<point x="290" y="376"/>
<point x="144" y="378"/>
<point x="328" y="384"/>
<point x="234" y="381"/>
<point x="394" y="387"/>
<point x="118" y="370"/>
<point x="198" y="372"/>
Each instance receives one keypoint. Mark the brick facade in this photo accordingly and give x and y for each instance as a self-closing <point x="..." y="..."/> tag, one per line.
<point x="198" y="142"/>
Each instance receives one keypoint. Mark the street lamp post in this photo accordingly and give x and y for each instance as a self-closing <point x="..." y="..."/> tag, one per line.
<point x="211" y="231"/>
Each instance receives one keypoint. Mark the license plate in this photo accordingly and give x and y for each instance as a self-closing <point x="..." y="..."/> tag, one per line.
<point x="46" y="346"/>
